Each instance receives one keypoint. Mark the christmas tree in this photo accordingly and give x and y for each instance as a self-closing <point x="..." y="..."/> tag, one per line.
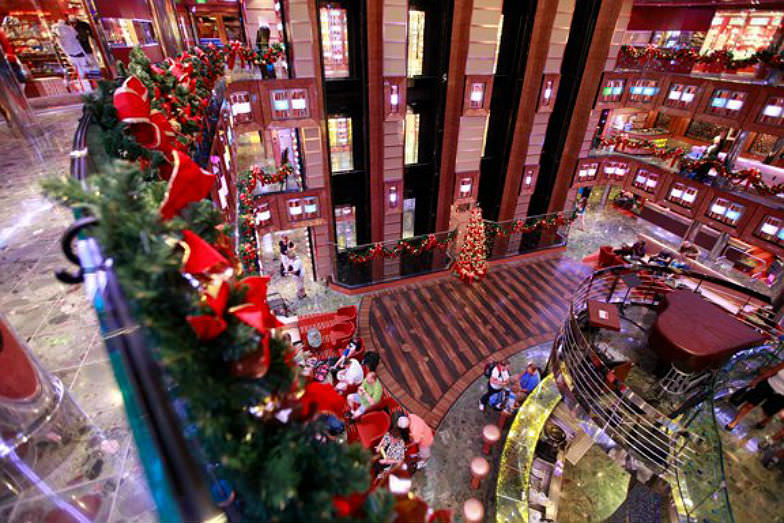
<point x="471" y="263"/>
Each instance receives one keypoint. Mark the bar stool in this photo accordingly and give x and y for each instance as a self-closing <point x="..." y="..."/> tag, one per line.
<point x="479" y="470"/>
<point x="473" y="511"/>
<point x="490" y="436"/>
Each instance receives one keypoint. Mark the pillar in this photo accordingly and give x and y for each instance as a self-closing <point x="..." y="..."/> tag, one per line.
<point x="719" y="246"/>
<point x="302" y="28"/>
<point x="166" y="27"/>
<point x="461" y="25"/>
<point x="610" y="24"/>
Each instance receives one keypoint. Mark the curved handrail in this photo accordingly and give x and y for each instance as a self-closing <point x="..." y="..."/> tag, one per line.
<point x="653" y="436"/>
<point x="663" y="444"/>
<point x="176" y="478"/>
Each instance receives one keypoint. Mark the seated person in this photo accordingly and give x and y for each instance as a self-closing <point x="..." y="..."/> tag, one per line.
<point x="529" y="379"/>
<point x="636" y="250"/>
<point x="351" y="349"/>
<point x="391" y="449"/>
<point x="689" y="250"/>
<point x="351" y="375"/>
<point x="371" y="360"/>
<point x="663" y="257"/>
<point x="367" y="395"/>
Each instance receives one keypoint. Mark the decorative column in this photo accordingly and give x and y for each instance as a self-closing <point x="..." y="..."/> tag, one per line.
<point x="469" y="93"/>
<point x="302" y="20"/>
<point x="607" y="39"/>
<point x="542" y="72"/>
<point x="458" y="50"/>
<point x="164" y="16"/>
<point x="391" y="123"/>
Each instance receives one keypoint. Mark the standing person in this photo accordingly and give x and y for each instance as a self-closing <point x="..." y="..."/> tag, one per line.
<point x="766" y="390"/>
<point x="498" y="379"/>
<point x="69" y="42"/>
<point x="529" y="379"/>
<point x="579" y="211"/>
<point x="284" y="245"/>
<point x="83" y="34"/>
<point x="418" y="432"/>
<point x="298" y="272"/>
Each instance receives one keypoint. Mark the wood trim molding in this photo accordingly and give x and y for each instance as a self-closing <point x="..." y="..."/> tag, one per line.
<point x="461" y="28"/>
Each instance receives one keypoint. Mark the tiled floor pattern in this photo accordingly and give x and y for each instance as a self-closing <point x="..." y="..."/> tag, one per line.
<point x="61" y="329"/>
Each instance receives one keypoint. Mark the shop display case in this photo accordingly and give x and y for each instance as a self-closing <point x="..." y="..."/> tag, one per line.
<point x="743" y="31"/>
<point x="127" y="32"/>
<point x="33" y="44"/>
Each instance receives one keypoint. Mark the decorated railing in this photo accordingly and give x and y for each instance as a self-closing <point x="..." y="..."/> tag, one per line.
<point x="526" y="235"/>
<point x="389" y="261"/>
<point x="688" y="458"/>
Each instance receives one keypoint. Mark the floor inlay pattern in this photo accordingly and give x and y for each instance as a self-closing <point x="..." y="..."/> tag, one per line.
<point x="435" y="336"/>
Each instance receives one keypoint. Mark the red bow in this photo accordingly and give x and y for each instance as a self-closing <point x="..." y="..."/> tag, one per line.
<point x="151" y="129"/>
<point x="187" y="183"/>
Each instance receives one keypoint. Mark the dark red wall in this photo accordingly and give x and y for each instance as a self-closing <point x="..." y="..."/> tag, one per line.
<point x="645" y="18"/>
<point x="123" y="9"/>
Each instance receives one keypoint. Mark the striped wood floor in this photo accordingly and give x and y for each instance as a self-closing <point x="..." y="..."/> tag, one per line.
<point x="434" y="336"/>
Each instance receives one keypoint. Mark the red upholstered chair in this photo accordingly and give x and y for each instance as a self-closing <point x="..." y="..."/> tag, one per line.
<point x="348" y="314"/>
<point x="371" y="427"/>
<point x="607" y="258"/>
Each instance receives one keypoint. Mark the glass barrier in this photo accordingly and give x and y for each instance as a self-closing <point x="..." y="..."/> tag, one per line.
<point x="389" y="261"/>
<point x="526" y="235"/>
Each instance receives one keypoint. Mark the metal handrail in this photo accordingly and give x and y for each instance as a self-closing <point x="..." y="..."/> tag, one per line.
<point x="654" y="437"/>
<point x="180" y="485"/>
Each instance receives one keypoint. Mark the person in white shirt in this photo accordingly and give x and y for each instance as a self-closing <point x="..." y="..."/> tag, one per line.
<point x="766" y="390"/>
<point x="499" y="379"/>
<point x="296" y="270"/>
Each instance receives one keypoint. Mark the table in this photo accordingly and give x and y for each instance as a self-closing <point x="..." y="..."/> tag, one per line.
<point x="314" y="337"/>
<point x="694" y="334"/>
<point x="603" y="315"/>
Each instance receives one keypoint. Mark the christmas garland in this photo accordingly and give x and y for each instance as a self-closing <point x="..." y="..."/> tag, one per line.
<point x="722" y="58"/>
<point x="413" y="246"/>
<point x="258" y="419"/>
<point x="665" y="154"/>
<point x="257" y="174"/>
<point x="237" y="50"/>
<point x="749" y="179"/>
<point x="247" y="244"/>
<point x="495" y="230"/>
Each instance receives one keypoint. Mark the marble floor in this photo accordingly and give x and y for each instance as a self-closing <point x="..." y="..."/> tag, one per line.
<point x="607" y="226"/>
<point x="102" y="477"/>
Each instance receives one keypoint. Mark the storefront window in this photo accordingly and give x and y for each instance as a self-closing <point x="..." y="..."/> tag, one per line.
<point x="745" y="32"/>
<point x="704" y="131"/>
<point x="345" y="227"/>
<point x="416" y="42"/>
<point x="56" y="45"/>
<point x="411" y="143"/>
<point x="334" y="41"/>
<point x="340" y="143"/>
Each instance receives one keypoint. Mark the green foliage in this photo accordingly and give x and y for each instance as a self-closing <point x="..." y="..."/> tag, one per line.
<point x="280" y="471"/>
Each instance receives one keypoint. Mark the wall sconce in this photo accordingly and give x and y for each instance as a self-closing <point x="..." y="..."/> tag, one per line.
<point x="528" y="179"/>
<point x="263" y="216"/>
<point x="393" y="196"/>
<point x="394" y="96"/>
<point x="773" y="111"/>
<point x="465" y="187"/>
<point x="548" y="92"/>
<point x="477" y="97"/>
<point x="295" y="208"/>
<point x="311" y="205"/>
